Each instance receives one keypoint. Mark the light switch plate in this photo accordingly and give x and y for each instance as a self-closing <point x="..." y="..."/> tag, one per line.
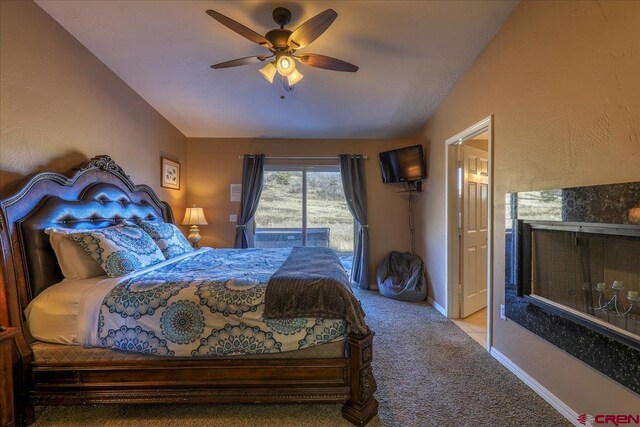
<point x="233" y="218"/>
<point x="503" y="316"/>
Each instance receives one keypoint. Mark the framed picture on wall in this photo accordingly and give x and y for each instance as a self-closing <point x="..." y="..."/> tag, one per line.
<point x="170" y="174"/>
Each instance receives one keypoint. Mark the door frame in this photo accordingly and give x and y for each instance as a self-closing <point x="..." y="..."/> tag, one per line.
<point x="451" y="221"/>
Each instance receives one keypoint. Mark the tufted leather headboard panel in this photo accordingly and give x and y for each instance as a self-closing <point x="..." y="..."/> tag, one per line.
<point x="96" y="194"/>
<point x="99" y="205"/>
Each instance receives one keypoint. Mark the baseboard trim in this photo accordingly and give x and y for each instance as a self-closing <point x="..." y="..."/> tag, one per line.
<point x="437" y="306"/>
<point x="549" y="397"/>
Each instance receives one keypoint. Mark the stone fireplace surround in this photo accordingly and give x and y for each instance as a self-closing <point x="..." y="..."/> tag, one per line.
<point x="615" y="355"/>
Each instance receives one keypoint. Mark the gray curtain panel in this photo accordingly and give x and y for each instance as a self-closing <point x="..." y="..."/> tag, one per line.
<point x="252" y="179"/>
<point x="355" y="190"/>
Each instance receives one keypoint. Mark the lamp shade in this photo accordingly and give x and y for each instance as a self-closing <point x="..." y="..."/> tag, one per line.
<point x="285" y="65"/>
<point x="294" y="77"/>
<point x="194" y="216"/>
<point x="269" y="71"/>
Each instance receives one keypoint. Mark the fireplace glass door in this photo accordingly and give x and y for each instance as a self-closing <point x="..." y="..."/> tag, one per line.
<point x="593" y="274"/>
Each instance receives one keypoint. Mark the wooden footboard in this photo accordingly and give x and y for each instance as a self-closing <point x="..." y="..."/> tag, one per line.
<point x="362" y="406"/>
<point x="347" y="380"/>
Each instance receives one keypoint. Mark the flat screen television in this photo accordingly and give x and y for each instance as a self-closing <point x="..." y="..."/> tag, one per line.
<point x="403" y="165"/>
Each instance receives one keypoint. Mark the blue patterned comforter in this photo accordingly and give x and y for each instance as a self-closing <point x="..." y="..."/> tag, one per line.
<point x="208" y="304"/>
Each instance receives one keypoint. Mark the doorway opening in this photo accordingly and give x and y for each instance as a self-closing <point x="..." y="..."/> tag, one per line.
<point x="469" y="234"/>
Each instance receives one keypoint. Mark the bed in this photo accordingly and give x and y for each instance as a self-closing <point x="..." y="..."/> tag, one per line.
<point x="292" y="368"/>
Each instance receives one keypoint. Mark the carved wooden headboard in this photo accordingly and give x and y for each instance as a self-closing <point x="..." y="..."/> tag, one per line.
<point x="97" y="195"/>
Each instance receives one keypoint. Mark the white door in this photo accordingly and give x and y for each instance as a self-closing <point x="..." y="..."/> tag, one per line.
<point x="473" y="233"/>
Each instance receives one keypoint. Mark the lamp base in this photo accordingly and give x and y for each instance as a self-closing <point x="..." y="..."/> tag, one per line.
<point x="194" y="236"/>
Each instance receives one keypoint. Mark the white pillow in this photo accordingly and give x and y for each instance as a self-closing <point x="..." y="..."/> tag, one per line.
<point x="74" y="262"/>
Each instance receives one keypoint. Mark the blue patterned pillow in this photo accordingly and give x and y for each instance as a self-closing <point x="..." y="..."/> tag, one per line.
<point x="168" y="238"/>
<point x="119" y="250"/>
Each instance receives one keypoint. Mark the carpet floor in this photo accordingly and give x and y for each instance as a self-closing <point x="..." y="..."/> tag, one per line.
<point x="429" y="373"/>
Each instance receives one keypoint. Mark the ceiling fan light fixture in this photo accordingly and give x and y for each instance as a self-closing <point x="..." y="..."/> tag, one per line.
<point x="285" y="65"/>
<point x="269" y="71"/>
<point x="282" y="44"/>
<point x="294" y="77"/>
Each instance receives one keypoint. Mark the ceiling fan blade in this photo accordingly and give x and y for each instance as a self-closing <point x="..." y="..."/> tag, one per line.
<point x="240" y="61"/>
<point x="312" y="29"/>
<point x="327" y="62"/>
<point x="239" y="28"/>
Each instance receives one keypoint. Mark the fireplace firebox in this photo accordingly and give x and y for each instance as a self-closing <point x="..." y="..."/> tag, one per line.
<point x="588" y="272"/>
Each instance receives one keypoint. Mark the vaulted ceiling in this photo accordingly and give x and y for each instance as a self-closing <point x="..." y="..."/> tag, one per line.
<point x="410" y="54"/>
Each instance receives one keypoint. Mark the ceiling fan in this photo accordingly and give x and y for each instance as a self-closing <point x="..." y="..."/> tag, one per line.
<point x="283" y="44"/>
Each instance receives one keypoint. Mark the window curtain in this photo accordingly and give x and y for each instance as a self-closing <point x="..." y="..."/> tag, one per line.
<point x="355" y="190"/>
<point x="252" y="179"/>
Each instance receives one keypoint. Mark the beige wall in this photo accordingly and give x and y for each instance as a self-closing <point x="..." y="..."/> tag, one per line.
<point x="214" y="165"/>
<point x="561" y="79"/>
<point x="61" y="105"/>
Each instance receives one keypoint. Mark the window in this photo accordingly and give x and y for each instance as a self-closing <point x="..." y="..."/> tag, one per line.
<point x="304" y="206"/>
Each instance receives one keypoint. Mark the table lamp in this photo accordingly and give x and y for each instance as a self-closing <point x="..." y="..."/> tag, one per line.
<point x="194" y="217"/>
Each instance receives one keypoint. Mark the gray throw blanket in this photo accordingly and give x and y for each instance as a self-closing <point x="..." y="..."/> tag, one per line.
<point x="313" y="283"/>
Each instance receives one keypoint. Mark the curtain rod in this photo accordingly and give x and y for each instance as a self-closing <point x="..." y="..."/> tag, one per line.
<point x="302" y="158"/>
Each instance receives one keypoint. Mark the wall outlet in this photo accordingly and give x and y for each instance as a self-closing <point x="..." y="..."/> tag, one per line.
<point x="233" y="218"/>
<point x="503" y="316"/>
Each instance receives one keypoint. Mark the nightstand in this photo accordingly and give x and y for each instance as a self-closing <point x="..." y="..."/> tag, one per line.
<point x="7" y="383"/>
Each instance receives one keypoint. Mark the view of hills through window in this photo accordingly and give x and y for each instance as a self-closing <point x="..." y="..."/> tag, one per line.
<point x="304" y="207"/>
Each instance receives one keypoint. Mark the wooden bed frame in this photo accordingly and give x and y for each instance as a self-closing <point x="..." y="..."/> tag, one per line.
<point x="24" y="264"/>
